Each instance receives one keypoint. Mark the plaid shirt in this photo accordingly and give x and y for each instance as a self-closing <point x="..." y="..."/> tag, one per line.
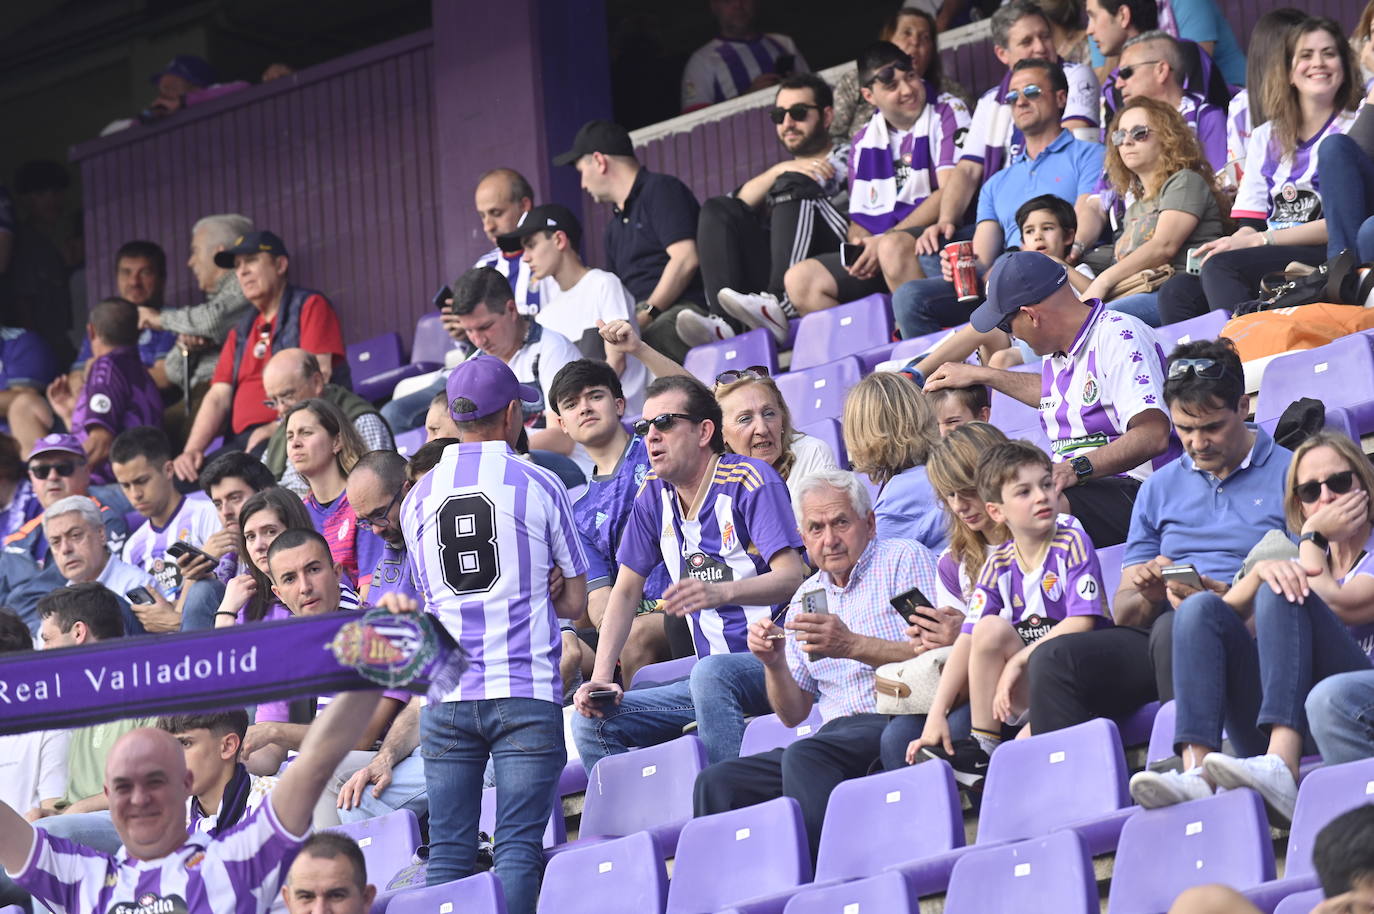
<point x="886" y="568"/>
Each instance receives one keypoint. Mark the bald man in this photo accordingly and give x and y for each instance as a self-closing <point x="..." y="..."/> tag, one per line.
<point x="329" y="876"/>
<point x="293" y="375"/>
<point x="164" y="870"/>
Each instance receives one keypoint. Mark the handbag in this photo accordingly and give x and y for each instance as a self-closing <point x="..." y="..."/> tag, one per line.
<point x="1336" y="282"/>
<point x="908" y="686"/>
<point x="1142" y="281"/>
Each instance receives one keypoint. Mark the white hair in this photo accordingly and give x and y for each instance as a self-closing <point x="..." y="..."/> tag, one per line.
<point x="75" y="504"/>
<point x="223" y="229"/>
<point x="839" y="480"/>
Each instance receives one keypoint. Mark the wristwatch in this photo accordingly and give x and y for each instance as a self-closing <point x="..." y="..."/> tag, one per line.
<point x="1317" y="539"/>
<point x="1083" y="467"/>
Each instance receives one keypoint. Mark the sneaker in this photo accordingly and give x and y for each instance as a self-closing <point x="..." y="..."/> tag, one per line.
<point x="760" y="309"/>
<point x="697" y="329"/>
<point x="1153" y="790"/>
<point x="969" y="761"/>
<point x="1267" y="775"/>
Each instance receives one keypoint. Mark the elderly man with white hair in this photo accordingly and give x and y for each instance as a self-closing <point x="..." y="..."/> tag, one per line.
<point x="839" y="627"/>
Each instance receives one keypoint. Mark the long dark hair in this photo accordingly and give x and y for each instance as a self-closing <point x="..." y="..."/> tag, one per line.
<point x="290" y="510"/>
<point x="1280" y="99"/>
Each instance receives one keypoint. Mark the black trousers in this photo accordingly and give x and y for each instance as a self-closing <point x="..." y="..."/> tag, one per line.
<point x="1106" y="673"/>
<point x="751" y="250"/>
<point x="1228" y="279"/>
<point x="808" y="770"/>
<point x="1103" y="506"/>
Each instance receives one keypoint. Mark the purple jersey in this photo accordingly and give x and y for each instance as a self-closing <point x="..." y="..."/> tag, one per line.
<point x="745" y="519"/>
<point x="119" y="394"/>
<point x="602" y="512"/>
<point x="356" y="550"/>
<point x="193" y="521"/>
<point x="1067" y="583"/>
<point x="483" y="530"/>
<point x="393" y="573"/>
<point x="1363" y="634"/>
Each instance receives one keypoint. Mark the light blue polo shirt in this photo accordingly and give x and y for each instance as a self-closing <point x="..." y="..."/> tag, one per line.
<point x="1066" y="168"/>
<point x="1194" y="518"/>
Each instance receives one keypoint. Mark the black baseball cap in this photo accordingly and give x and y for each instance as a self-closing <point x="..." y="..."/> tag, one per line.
<point x="251" y="243"/>
<point x="551" y="217"/>
<point x="1018" y="280"/>
<point x="605" y="137"/>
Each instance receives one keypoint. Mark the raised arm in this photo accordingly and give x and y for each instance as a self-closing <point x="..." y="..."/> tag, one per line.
<point x="329" y="739"/>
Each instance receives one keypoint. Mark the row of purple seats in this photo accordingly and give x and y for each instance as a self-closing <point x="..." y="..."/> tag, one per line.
<point x="765" y="733"/>
<point x="378" y="364"/>
<point x="1340" y="374"/>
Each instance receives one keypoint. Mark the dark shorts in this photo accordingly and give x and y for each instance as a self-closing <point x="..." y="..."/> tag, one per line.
<point x="1103" y="507"/>
<point x="847" y="288"/>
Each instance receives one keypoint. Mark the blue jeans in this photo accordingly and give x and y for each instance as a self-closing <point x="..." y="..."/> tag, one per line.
<point x="1347" y="196"/>
<point x="524" y="737"/>
<point x="1216" y="677"/>
<point x="198" y="612"/>
<point x="722" y="689"/>
<point x="926" y="305"/>
<point x="903" y="728"/>
<point x="406" y="791"/>
<point x="1340" y="710"/>
<point x="408" y="412"/>
<point x="1143" y="305"/>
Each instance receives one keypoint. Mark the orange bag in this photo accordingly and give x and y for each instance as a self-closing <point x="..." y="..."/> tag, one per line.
<point x="1268" y="333"/>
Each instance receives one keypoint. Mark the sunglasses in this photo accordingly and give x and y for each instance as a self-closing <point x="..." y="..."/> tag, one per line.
<point x="1210" y="369"/>
<point x="1126" y="73"/>
<point x="888" y="74"/>
<point x="752" y="373"/>
<point x="662" y="422"/>
<point x="798" y="112"/>
<point x="1031" y="92"/>
<point x="41" y="470"/>
<point x="1137" y="134"/>
<point x="1338" y="483"/>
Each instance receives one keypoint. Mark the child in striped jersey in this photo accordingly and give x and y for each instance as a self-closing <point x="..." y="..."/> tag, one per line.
<point x="1042" y="583"/>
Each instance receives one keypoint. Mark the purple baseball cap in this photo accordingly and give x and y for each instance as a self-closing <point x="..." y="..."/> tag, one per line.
<point x="58" y="441"/>
<point x="195" y="70"/>
<point x="489" y="383"/>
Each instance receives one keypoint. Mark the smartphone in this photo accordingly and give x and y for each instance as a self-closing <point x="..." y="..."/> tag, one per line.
<point x="785" y="64"/>
<point x="1193" y="265"/>
<point x="601" y="694"/>
<point x="140" y="596"/>
<point x="441" y="298"/>
<point x="906" y="605"/>
<point x="1182" y="574"/>
<point x="849" y="253"/>
<point x="181" y="548"/>
<point x="815" y="601"/>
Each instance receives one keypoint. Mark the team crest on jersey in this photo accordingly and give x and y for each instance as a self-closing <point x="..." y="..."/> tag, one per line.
<point x="1051" y="586"/>
<point x="641" y="472"/>
<point x="1091" y="392"/>
<point x="727" y="537"/>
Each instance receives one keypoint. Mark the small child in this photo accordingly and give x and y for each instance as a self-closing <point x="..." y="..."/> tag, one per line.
<point x="1049" y="225"/>
<point x="956" y="405"/>
<point x="1042" y="583"/>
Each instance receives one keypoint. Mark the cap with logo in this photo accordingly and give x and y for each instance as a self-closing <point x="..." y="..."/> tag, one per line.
<point x="551" y="217"/>
<point x="58" y="441"/>
<point x="252" y="243"/>
<point x="1018" y="280"/>
<point x="489" y="384"/>
<point x="605" y="137"/>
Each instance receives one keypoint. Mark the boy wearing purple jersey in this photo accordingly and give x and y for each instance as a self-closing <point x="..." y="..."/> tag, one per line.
<point x="1042" y="583"/>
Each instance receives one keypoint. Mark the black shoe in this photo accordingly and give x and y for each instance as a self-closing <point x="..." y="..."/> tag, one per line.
<point x="969" y="761"/>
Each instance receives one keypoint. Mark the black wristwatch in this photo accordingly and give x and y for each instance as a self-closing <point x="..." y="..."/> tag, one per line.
<point x="1317" y="539"/>
<point x="1083" y="467"/>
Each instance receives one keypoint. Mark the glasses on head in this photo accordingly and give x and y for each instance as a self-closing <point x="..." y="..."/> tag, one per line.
<point x="1126" y="73"/>
<point x="1337" y="483"/>
<point x="1211" y="369"/>
<point x="1137" y="134"/>
<point x="1031" y="93"/>
<point x="752" y="373"/>
<point x="662" y="422"/>
<point x="41" y="470"/>
<point x="381" y="518"/>
<point x="798" y="112"/>
<point x="888" y="74"/>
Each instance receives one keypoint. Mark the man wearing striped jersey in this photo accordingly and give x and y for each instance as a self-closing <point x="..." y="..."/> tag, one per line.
<point x="163" y="869"/>
<point x="484" y="529"/>
<point x="723" y="525"/>
<point x="739" y="60"/>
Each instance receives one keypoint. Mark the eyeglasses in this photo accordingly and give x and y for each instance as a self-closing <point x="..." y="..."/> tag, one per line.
<point x="752" y="373"/>
<point x="1031" y="93"/>
<point x="380" y="519"/>
<point x="1137" y="134"/>
<point x="797" y="112"/>
<point x="1126" y="73"/>
<point x="1211" y="369"/>
<point x="41" y="470"/>
<point x="888" y="74"/>
<point x="662" y="422"/>
<point x="285" y="402"/>
<point x="1338" y="483"/>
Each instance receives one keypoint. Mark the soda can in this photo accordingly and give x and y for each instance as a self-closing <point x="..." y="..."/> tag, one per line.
<point x="961" y="266"/>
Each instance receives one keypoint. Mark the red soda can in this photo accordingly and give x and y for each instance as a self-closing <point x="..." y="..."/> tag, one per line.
<point x="961" y="265"/>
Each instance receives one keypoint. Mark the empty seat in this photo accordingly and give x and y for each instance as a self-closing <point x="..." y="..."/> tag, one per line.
<point x="848" y="329"/>
<point x="767" y="732"/>
<point x="371" y="358"/>
<point x="828" y="430"/>
<point x="432" y="341"/>
<point x="388" y="843"/>
<point x="813" y="394"/>
<point x="1203" y="327"/>
<point x="1054" y="873"/>
<point x="479" y="894"/>
<point x="555" y="832"/>
<point x="754" y="347"/>
<point x="1222" y="838"/>
<point x="1341" y="373"/>
<point x="624" y="876"/>
<point x="1014" y="418"/>
<point x="407" y="443"/>
<point x="918" y="346"/>
<point x="732" y="856"/>
<point x="1300" y="902"/>
<point x="662" y="673"/>
<point x="878" y="894"/>
<point x="1137" y="728"/>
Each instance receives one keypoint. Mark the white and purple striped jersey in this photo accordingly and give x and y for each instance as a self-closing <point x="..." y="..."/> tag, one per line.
<point x="529" y="296"/>
<point x="1283" y="189"/>
<point x="483" y="529"/>
<point x="993" y="139"/>
<point x="237" y="872"/>
<point x="192" y="522"/>
<point x="1088" y="395"/>
<point x="745" y="519"/>
<point x="1067" y="583"/>
<point x="1238" y="126"/>
<point x="724" y="68"/>
<point x="953" y="586"/>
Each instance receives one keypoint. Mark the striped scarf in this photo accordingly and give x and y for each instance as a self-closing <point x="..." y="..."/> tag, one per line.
<point x="876" y="202"/>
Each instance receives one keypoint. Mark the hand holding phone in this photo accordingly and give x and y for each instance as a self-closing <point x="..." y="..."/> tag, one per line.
<point x="909" y="603"/>
<point x="850" y="253"/>
<point x="181" y="548"/>
<point x="442" y="298"/>
<point x="140" y="596"/>
<point x="1182" y="574"/>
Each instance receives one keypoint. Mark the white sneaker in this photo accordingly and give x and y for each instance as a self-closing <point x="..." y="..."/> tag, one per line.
<point x="1267" y="775"/>
<point x="697" y="329"/>
<point x="761" y="309"/>
<point x="1153" y="789"/>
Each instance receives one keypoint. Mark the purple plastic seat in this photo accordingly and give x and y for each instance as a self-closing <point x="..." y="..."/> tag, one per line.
<point x="1338" y="419"/>
<point x="885" y="892"/>
<point x="388" y="842"/>
<point x="432" y="343"/>
<point x="1222" y="838"/>
<point x="1137" y="728"/>
<point x="1054" y="873"/>
<point x="374" y="357"/>
<point x="1203" y="327"/>
<point x="754" y="347"/>
<point x="653" y="674"/>
<point x="1162" y="734"/>
<point x="555" y="833"/>
<point x="407" y="443"/>
<point x="1110" y="560"/>
<point x="1300" y="902"/>
<point x="479" y="894"/>
<point x="872" y="358"/>
<point x="767" y="732"/>
<point x="1341" y="373"/>
<point x="813" y="394"/>
<point x="736" y="855"/>
<point x="918" y="346"/>
<point x="828" y="430"/>
<point x="624" y="876"/>
<point x="1014" y="418"/>
<point x="848" y="329"/>
<point x="573" y="779"/>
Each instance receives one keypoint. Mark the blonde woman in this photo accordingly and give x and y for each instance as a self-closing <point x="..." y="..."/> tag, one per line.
<point x="758" y="424"/>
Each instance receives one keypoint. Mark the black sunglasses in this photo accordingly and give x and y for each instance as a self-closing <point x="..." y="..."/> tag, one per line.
<point x="41" y="470"/>
<point x="888" y="74"/>
<point x="752" y="373"/>
<point x="798" y="112"/>
<point x="1338" y="483"/>
<point x="1030" y="92"/>
<point x="1127" y="72"/>
<point x="1137" y="134"/>
<point x="662" y="422"/>
<point x="1211" y="369"/>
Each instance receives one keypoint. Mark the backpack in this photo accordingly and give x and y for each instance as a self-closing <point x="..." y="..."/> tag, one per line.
<point x="1336" y="282"/>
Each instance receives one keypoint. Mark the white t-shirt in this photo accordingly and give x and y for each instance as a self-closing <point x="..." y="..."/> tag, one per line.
<point x="573" y="313"/>
<point x="33" y="768"/>
<point x="812" y="456"/>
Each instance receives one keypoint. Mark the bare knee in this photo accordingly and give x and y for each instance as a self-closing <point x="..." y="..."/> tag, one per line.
<point x="1006" y="358"/>
<point x="1212" y="899"/>
<point x="809" y="285"/>
<point x="896" y="251"/>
